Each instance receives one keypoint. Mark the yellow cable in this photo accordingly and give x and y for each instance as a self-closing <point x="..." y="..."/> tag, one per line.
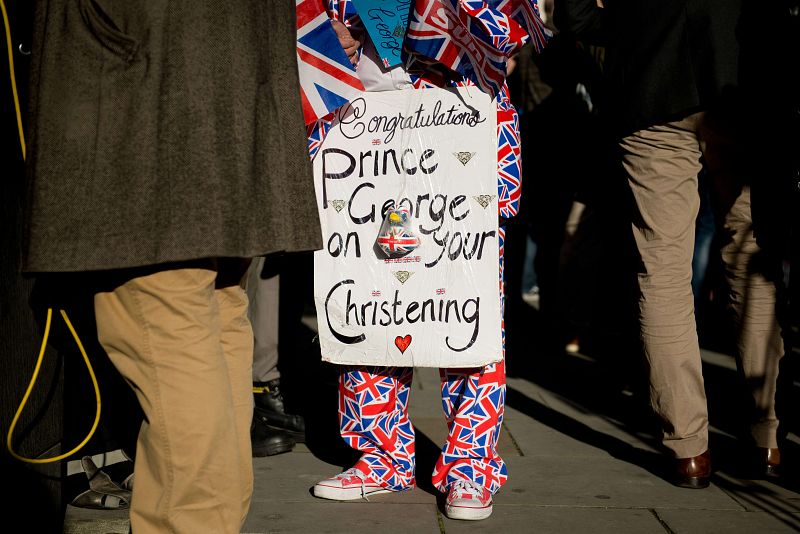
<point x="13" y="78"/>
<point x="33" y="381"/>
<point x="77" y="339"/>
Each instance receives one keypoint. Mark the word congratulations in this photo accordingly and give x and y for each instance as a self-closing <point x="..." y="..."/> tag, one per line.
<point x="352" y="126"/>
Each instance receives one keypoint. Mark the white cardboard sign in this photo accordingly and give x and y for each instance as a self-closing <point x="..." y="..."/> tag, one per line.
<point x="434" y="153"/>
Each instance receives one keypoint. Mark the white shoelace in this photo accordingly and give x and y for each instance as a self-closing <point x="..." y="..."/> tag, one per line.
<point x="467" y="487"/>
<point x="353" y="472"/>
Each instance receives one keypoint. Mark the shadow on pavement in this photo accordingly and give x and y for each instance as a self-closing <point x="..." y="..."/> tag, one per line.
<point x="606" y="379"/>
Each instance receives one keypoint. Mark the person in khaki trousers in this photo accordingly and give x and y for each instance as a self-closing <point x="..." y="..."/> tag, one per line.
<point x="180" y="336"/>
<point x="662" y="163"/>
<point x="166" y="148"/>
<point x="672" y="68"/>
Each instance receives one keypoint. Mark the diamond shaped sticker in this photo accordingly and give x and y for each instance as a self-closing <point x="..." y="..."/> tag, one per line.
<point x="464" y="157"/>
<point x="484" y="200"/>
<point x="402" y="276"/>
<point x="338" y="205"/>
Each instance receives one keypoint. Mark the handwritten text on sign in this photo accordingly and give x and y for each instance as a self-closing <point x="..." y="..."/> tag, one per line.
<point x="433" y="153"/>
<point x="386" y="22"/>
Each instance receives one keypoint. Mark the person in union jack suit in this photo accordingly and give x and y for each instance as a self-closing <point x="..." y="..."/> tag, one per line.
<point x="439" y="51"/>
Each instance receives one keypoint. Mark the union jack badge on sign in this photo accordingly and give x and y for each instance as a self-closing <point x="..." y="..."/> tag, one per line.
<point x="397" y="242"/>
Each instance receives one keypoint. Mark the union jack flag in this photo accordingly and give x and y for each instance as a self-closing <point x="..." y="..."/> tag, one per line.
<point x="397" y="242"/>
<point x="373" y="418"/>
<point x="474" y="37"/>
<point x="509" y="161"/>
<point x="526" y="13"/>
<point x="473" y="403"/>
<point x="327" y="78"/>
<point x="316" y="134"/>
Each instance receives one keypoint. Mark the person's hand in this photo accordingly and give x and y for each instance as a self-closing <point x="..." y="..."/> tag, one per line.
<point x="349" y="42"/>
<point x="511" y="64"/>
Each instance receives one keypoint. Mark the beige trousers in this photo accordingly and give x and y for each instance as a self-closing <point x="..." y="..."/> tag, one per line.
<point x="662" y="163"/>
<point x="181" y="338"/>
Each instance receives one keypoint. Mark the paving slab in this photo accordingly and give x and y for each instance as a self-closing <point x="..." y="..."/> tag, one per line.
<point x="560" y="520"/>
<point x="706" y="521"/>
<point x="88" y="521"/>
<point x="570" y="470"/>
<point x="613" y="483"/>
<point x="427" y="378"/>
<point x="759" y="495"/>
<point x="343" y="517"/>
<point x="571" y="418"/>
<point x="535" y="438"/>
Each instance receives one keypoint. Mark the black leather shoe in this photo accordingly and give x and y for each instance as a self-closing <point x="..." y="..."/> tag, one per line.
<point x="768" y="462"/>
<point x="269" y="409"/>
<point x="268" y="441"/>
<point x="694" y="472"/>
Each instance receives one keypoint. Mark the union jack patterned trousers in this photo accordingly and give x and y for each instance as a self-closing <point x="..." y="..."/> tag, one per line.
<point x="373" y="419"/>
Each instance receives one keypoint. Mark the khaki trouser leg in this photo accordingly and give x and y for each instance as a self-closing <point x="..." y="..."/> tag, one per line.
<point x="751" y="275"/>
<point x="662" y="163"/>
<point x="752" y="302"/>
<point x="237" y="345"/>
<point x="173" y="336"/>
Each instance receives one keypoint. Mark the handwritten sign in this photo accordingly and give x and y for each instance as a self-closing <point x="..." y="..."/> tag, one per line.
<point x="432" y="153"/>
<point x="386" y="22"/>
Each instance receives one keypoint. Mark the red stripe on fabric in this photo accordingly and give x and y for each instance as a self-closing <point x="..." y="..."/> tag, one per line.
<point x="349" y="79"/>
<point x="307" y="11"/>
<point x="308" y="110"/>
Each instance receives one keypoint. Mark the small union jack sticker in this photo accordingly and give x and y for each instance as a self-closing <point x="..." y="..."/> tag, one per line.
<point x="440" y="291"/>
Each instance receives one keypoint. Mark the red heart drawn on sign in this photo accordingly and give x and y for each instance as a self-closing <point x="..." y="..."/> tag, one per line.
<point x="402" y="342"/>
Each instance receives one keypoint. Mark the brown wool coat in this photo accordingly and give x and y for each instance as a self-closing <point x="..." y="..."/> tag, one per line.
<point x="165" y="130"/>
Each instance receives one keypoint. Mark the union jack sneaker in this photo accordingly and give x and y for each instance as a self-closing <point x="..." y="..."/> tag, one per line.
<point x="468" y="500"/>
<point x="348" y="486"/>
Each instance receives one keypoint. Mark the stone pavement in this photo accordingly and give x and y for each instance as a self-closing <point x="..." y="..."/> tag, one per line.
<point x="582" y="455"/>
<point x="571" y="469"/>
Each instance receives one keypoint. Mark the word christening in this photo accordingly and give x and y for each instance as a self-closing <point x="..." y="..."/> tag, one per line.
<point x="386" y="313"/>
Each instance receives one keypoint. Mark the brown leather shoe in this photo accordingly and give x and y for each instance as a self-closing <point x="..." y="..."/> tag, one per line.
<point x="768" y="462"/>
<point x="693" y="472"/>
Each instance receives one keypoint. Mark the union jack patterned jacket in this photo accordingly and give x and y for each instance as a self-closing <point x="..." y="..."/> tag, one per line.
<point x="455" y="43"/>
